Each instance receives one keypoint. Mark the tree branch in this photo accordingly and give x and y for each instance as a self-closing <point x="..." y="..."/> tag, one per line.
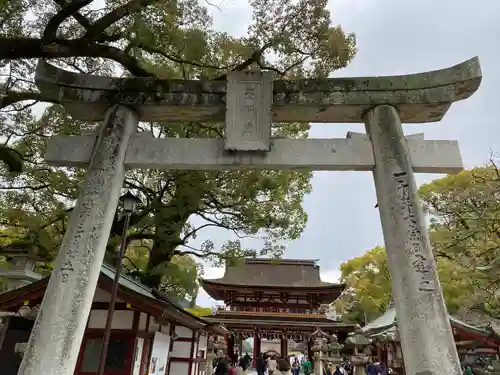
<point x="198" y="253"/>
<point x="82" y="20"/>
<point x="253" y="59"/>
<point x="154" y="50"/>
<point x="125" y="257"/>
<point x="83" y="48"/>
<point x="50" y="32"/>
<point x="12" y="97"/>
<point x="197" y="229"/>
<point x="33" y="188"/>
<point x="32" y="48"/>
<point x="100" y="25"/>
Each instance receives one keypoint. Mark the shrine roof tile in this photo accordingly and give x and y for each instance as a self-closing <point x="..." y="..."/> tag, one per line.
<point x="127" y="281"/>
<point x="128" y="288"/>
<point x="284" y="273"/>
<point x="387" y="323"/>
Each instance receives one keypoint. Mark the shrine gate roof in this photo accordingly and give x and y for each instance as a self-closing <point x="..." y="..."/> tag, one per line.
<point x="260" y="274"/>
<point x="284" y="273"/>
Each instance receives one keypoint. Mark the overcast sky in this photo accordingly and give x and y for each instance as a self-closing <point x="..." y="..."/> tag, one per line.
<point x="393" y="37"/>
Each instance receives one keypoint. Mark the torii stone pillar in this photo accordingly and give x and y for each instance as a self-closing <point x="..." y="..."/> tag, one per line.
<point x="426" y="336"/>
<point x="55" y="341"/>
<point x="250" y="102"/>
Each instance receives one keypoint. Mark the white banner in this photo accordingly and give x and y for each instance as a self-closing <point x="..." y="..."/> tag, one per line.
<point x="159" y="354"/>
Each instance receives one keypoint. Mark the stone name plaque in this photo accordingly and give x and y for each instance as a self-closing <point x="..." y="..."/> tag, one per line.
<point x="248" y="113"/>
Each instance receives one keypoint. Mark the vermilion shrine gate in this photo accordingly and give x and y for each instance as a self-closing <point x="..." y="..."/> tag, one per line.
<point x="274" y="300"/>
<point x="250" y="102"/>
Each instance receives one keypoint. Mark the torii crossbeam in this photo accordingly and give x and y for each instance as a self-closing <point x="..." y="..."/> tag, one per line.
<point x="249" y="102"/>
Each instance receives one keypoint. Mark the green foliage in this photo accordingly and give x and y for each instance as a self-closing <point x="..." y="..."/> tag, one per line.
<point x="179" y="276"/>
<point x="465" y="230"/>
<point x="200" y="311"/>
<point x="368" y="286"/>
<point x="172" y="40"/>
<point x="465" y="233"/>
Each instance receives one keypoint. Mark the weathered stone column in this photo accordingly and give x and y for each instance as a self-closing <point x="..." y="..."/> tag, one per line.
<point x="426" y="336"/>
<point x="57" y="335"/>
<point x="361" y="345"/>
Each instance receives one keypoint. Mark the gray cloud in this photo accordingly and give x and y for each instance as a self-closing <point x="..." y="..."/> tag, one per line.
<point x="394" y="37"/>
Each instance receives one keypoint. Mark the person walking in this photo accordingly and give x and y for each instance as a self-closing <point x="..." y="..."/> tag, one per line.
<point x="383" y="369"/>
<point x="260" y="365"/>
<point x="216" y="360"/>
<point x="348" y="366"/>
<point x="272" y="364"/>
<point x="247" y="359"/>
<point x="296" y="367"/>
<point x="242" y="367"/>
<point x="222" y="367"/>
<point x="307" y="366"/>
<point x="283" y="368"/>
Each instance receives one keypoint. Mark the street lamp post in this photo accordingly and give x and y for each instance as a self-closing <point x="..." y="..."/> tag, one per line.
<point x="129" y="202"/>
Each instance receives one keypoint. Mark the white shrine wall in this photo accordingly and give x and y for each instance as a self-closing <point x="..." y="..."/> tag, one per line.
<point x="122" y="319"/>
<point x="201" y="354"/>
<point x="143" y="322"/>
<point x="266" y="345"/>
<point x="178" y="368"/>
<point x="187" y="351"/>
<point x="186" y="346"/>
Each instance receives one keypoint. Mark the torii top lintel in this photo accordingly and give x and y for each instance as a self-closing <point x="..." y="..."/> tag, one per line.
<point x="422" y="97"/>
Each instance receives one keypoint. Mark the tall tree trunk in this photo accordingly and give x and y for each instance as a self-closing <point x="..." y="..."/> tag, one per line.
<point x="169" y="220"/>
<point x="168" y="226"/>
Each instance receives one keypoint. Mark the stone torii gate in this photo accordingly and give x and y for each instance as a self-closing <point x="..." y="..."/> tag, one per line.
<point x="249" y="102"/>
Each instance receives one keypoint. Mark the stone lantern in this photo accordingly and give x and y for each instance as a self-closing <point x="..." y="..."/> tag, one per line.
<point x="326" y="350"/>
<point x="215" y="346"/>
<point x="361" y="355"/>
<point x="22" y="262"/>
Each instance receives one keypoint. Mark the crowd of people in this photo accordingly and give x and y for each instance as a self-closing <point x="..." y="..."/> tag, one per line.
<point x="271" y="365"/>
<point x="224" y="365"/>
<point x="377" y="368"/>
<point x="264" y="365"/>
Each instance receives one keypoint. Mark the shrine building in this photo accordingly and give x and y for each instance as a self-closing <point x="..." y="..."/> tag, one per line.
<point x="472" y="341"/>
<point x="274" y="299"/>
<point x="150" y="334"/>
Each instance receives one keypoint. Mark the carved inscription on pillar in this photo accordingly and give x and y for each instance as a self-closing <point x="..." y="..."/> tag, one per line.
<point x="68" y="266"/>
<point x="248" y="111"/>
<point x="423" y="266"/>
